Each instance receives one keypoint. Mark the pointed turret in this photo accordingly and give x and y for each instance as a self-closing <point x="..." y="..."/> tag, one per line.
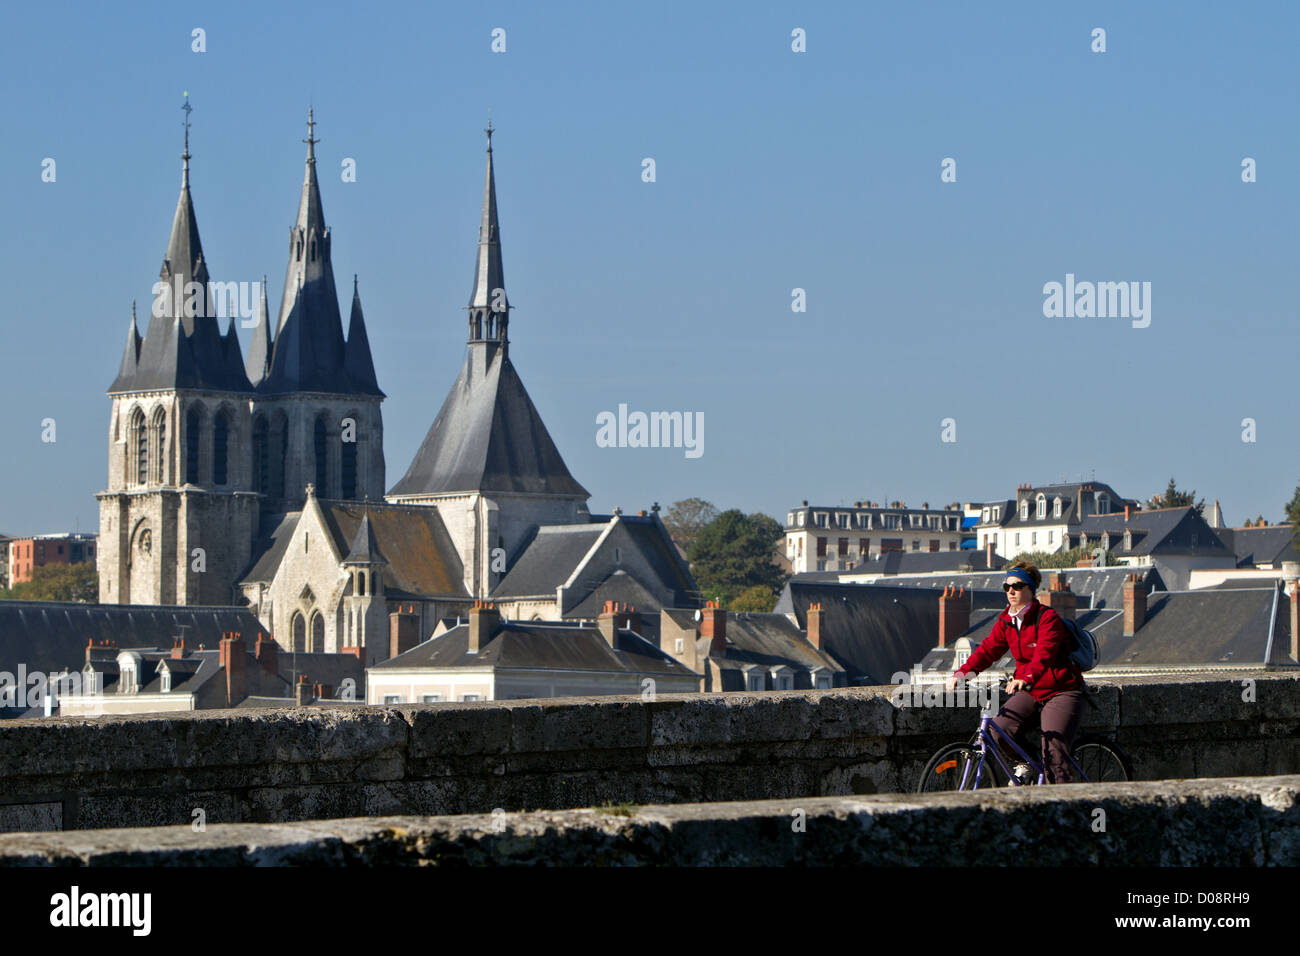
<point x="357" y="360"/>
<point x="309" y="353"/>
<point x="259" y="350"/>
<point x="489" y="308"/>
<point x="131" y="357"/>
<point x="365" y="550"/>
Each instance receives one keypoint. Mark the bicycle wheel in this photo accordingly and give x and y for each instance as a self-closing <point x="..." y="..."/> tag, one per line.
<point x="1101" y="762"/>
<point x="946" y="769"/>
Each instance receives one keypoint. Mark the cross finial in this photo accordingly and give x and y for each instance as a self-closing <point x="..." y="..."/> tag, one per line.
<point x="185" y="156"/>
<point x="489" y="132"/>
<point x="311" y="140"/>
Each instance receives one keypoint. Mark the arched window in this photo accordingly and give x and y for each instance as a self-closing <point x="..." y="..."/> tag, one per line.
<point x="159" y="442"/>
<point x="299" y="630"/>
<point x="140" y="438"/>
<point x="220" y="448"/>
<point x="349" y="463"/>
<point x="313" y="250"/>
<point x="261" y="453"/>
<point x="1042" y="506"/>
<point x="361" y="584"/>
<point x="1024" y="511"/>
<point x="1056" y="507"/>
<point x="317" y="633"/>
<point x="193" y="433"/>
<point x="322" y="447"/>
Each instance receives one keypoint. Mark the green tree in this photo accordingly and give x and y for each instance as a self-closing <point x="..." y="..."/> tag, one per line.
<point x="1293" y="509"/>
<point x="1061" y="559"/>
<point x="1175" y="498"/>
<point x="733" y="553"/>
<point x="759" y="598"/>
<point x="684" y="519"/>
<point x="58" y="582"/>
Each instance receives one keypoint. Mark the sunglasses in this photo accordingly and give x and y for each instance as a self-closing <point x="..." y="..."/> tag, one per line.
<point x="1018" y="586"/>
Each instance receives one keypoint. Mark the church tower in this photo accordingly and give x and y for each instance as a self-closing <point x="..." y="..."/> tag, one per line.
<point x="178" y="517"/>
<point x="487" y="462"/>
<point x="316" y="417"/>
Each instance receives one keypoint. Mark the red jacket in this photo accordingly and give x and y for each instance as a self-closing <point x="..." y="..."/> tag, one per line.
<point x="1041" y="649"/>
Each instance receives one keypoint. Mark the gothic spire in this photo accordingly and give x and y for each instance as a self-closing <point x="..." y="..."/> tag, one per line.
<point x="489" y="309"/>
<point x="182" y="345"/>
<point x="309" y="350"/>
<point x="131" y="357"/>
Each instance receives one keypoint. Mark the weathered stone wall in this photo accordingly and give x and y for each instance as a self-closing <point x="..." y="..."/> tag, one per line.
<point x="1237" y="821"/>
<point x="452" y="758"/>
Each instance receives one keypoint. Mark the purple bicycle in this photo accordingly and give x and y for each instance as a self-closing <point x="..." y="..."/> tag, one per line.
<point x="979" y="763"/>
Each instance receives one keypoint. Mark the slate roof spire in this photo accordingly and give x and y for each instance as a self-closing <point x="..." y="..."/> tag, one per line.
<point x="357" y="360"/>
<point x="488" y="436"/>
<point x="309" y="352"/>
<point x="182" y="345"/>
<point x="131" y="357"/>
<point x="489" y="308"/>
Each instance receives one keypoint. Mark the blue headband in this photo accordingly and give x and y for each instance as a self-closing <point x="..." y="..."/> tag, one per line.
<point x="1022" y="575"/>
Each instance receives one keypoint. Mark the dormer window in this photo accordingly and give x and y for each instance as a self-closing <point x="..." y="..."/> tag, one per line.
<point x="997" y="513"/>
<point x="1103" y="504"/>
<point x="821" y="519"/>
<point x="1056" y="508"/>
<point x="166" y="678"/>
<point x="842" y="519"/>
<point x="1024" y="511"/>
<point x="984" y="516"/>
<point x="1042" y="506"/>
<point x="1128" y="540"/>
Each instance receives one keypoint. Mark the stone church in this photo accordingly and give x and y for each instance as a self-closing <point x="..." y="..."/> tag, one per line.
<point x="260" y="482"/>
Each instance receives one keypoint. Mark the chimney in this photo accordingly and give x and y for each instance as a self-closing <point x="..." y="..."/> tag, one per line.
<point x="233" y="657"/>
<point x="1126" y="514"/>
<point x="323" y="691"/>
<point x="302" y="691"/>
<point x="1059" y="597"/>
<point x="484" y="622"/>
<point x="615" y="617"/>
<point x="268" y="654"/>
<point x="988" y="554"/>
<point x="1135" y="605"/>
<point x="178" y="648"/>
<point x="815" y="618"/>
<point x="403" y="630"/>
<point x="714" y="626"/>
<point x="954" y="615"/>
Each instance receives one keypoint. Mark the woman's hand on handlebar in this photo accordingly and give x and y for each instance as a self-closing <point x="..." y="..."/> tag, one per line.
<point x="1015" y="686"/>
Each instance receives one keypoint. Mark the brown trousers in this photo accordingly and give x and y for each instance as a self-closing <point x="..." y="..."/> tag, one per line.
<point x="1059" y="718"/>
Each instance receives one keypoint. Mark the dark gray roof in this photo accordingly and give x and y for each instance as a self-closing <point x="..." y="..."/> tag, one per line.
<point x="1200" y="628"/>
<point x="770" y="640"/>
<point x="1255" y="546"/>
<point x="322" y="668"/>
<point x="548" y="560"/>
<point x="541" y="644"/>
<point x="620" y="587"/>
<point x="269" y="550"/>
<point x="1069" y="493"/>
<point x="180" y="351"/>
<point x="1160" y="531"/>
<point x="488" y="436"/>
<point x="872" y="630"/>
<point x="309" y="352"/>
<point x="51" y="636"/>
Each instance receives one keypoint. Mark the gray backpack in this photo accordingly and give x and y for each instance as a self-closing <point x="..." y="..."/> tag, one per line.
<point x="1085" y="652"/>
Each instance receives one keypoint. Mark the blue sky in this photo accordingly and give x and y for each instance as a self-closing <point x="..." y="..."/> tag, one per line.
<point x="775" y="170"/>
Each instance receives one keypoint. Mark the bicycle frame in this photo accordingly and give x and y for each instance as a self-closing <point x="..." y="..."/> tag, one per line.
<point x="985" y="739"/>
